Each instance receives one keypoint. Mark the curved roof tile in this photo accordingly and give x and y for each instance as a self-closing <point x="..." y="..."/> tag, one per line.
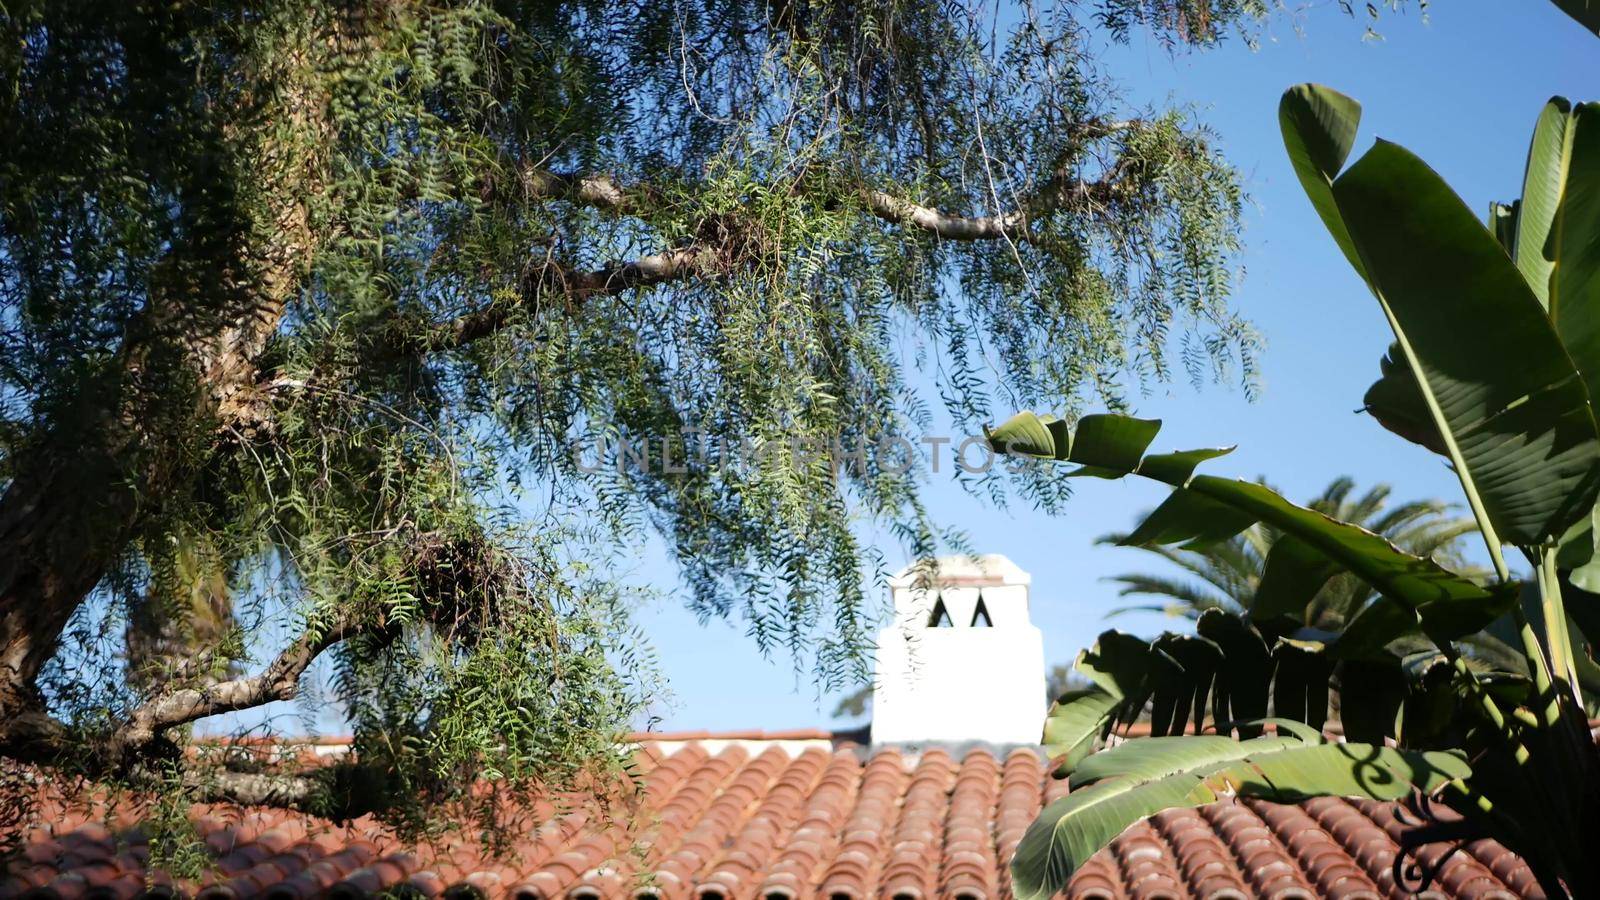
<point x="783" y="816"/>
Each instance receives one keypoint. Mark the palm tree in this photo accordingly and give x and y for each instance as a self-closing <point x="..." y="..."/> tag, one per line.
<point x="1224" y="575"/>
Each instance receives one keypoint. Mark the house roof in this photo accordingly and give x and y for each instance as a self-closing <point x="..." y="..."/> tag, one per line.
<point x="783" y="816"/>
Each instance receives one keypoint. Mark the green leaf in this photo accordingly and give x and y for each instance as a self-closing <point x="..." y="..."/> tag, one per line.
<point x="1568" y="254"/>
<point x="1027" y="434"/>
<point x="1555" y="223"/>
<point x="1125" y="784"/>
<point x="1585" y="12"/>
<point x="1177" y="468"/>
<point x="1549" y="156"/>
<point x="1112" y="442"/>
<point x="1119" y="664"/>
<point x="1578" y="551"/>
<point x="1076" y="721"/>
<point x="1104" y="445"/>
<point x="1503" y="224"/>
<point x="1148" y="759"/>
<point x="1300" y="685"/>
<point x="1184" y="668"/>
<point x="1245" y="677"/>
<point x="1370" y="694"/>
<point x="1449" y="605"/>
<point x="1293" y="575"/>
<point x="1378" y="624"/>
<point x="1506" y="396"/>
<point x="1319" y="128"/>
<point x="1190" y="518"/>
<point x="1396" y="401"/>
<point x="1205" y="509"/>
<point x="1295" y="729"/>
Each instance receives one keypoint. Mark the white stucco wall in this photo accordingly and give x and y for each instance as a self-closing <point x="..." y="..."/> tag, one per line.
<point x="960" y="683"/>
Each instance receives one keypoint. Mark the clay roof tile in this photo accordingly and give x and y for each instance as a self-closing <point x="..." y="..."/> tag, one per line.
<point x="780" y="816"/>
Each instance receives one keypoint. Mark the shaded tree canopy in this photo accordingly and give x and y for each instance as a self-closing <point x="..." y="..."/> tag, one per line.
<point x="306" y="304"/>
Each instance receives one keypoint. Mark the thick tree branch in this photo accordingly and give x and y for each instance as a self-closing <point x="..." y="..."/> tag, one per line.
<point x="599" y="191"/>
<point x="549" y="277"/>
<point x="279" y="681"/>
<point x="1014" y="225"/>
<point x="255" y="789"/>
<point x="102" y="458"/>
<point x="573" y="286"/>
<point x="606" y="192"/>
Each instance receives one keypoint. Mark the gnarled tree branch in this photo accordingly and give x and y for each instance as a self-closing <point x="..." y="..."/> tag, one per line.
<point x="549" y="277"/>
<point x="279" y="681"/>
<point x="1012" y="224"/>
<point x="598" y="190"/>
<point x="1015" y="224"/>
<point x="606" y="192"/>
<point x="288" y="791"/>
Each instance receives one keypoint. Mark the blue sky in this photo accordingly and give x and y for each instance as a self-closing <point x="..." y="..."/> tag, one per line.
<point x="1461" y="89"/>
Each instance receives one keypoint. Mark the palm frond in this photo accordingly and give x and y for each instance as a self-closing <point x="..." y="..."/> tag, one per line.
<point x="1333" y="496"/>
<point x="1192" y="596"/>
<point x="1407" y="515"/>
<point x="1228" y="572"/>
<point x="1222" y="566"/>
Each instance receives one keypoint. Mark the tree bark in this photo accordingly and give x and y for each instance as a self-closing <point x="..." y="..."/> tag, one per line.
<point x="280" y="680"/>
<point x="79" y="493"/>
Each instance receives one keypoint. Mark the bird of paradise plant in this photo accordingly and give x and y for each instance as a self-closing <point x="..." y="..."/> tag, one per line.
<point x="1495" y="366"/>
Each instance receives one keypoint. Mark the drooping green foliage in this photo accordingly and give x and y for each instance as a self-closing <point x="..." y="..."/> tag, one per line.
<point x="1484" y="372"/>
<point x="388" y="332"/>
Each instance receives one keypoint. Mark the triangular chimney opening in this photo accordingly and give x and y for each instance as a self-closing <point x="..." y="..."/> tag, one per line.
<point x="940" y="617"/>
<point x="980" y="615"/>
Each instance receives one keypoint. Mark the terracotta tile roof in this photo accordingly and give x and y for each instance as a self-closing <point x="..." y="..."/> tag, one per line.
<point x="779" y="816"/>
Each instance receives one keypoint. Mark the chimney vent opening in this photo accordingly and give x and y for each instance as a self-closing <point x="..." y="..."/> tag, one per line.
<point x="980" y="615"/>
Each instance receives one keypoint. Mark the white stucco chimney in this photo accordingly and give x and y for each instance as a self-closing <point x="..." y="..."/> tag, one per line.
<point x="961" y="661"/>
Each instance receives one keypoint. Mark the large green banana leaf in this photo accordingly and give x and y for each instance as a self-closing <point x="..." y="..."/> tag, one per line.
<point x="1176" y="673"/>
<point x="1507" y="401"/>
<point x="1118" y="787"/>
<point x="1567" y="257"/>
<point x="1076" y="721"/>
<point x="1586" y="12"/>
<point x="1239" y="676"/>
<point x="1205" y="508"/>
<point x="1554" y="223"/>
<point x="1549" y="159"/>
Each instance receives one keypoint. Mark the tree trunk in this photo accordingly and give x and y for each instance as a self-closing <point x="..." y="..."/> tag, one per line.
<point x="48" y="564"/>
<point x="78" y="496"/>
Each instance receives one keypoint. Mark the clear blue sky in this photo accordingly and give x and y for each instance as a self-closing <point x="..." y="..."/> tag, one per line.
<point x="1461" y="89"/>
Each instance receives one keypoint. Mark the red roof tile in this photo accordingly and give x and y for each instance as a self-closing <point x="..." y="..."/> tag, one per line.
<point x="783" y="817"/>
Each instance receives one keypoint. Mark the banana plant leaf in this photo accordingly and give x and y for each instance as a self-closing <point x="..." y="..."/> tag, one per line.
<point x="1564" y="256"/>
<point x="1244" y="681"/>
<point x="1230" y="677"/>
<point x="1118" y="787"/>
<point x="1371" y="692"/>
<point x="1185" y="668"/>
<point x="1549" y="159"/>
<point x="1294" y="573"/>
<point x="1204" y="508"/>
<point x="1584" y="12"/>
<point x="1077" y="720"/>
<point x="1395" y="400"/>
<point x="1507" y="401"/>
